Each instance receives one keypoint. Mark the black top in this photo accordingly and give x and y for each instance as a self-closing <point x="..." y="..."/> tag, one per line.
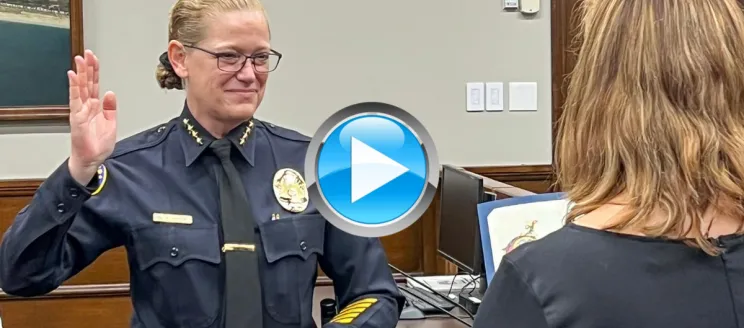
<point x="577" y="277"/>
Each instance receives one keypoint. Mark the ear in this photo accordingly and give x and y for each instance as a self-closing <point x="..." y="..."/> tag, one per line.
<point x="177" y="57"/>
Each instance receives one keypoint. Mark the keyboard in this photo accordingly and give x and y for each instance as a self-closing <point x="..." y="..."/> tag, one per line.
<point x="414" y="296"/>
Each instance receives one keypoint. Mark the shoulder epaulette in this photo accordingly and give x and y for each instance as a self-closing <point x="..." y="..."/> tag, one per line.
<point x="282" y="132"/>
<point x="143" y="140"/>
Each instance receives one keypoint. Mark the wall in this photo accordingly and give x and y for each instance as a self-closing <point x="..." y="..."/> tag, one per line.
<point x="410" y="53"/>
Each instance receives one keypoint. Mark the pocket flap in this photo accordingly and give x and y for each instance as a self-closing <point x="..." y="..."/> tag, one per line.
<point x="311" y="230"/>
<point x="175" y="244"/>
<point x="299" y="235"/>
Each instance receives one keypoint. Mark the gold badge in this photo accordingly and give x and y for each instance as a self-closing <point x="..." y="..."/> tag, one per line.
<point x="290" y="190"/>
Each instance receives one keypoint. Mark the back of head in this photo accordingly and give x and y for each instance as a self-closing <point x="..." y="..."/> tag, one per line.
<point x="187" y="24"/>
<point x="655" y="113"/>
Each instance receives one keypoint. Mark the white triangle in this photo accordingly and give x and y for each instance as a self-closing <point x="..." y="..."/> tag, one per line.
<point x="370" y="169"/>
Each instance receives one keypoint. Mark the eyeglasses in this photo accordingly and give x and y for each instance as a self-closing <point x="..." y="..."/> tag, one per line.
<point x="263" y="62"/>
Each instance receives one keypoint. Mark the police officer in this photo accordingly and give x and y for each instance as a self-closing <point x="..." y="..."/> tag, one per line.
<point x="205" y="204"/>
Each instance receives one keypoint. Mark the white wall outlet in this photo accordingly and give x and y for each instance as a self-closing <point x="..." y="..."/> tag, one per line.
<point x="511" y="4"/>
<point x="494" y="96"/>
<point x="475" y="97"/>
<point x="529" y="6"/>
<point x="522" y="96"/>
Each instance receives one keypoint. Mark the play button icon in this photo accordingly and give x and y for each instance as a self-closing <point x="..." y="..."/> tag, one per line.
<point x="371" y="169"/>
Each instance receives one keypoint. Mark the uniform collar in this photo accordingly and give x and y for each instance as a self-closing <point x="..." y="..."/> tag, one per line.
<point x="195" y="139"/>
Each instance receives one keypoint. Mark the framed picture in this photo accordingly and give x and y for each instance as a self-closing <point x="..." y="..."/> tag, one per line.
<point x="40" y="39"/>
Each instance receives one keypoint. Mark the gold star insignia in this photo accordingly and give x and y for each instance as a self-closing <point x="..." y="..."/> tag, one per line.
<point x="192" y="132"/>
<point x="246" y="133"/>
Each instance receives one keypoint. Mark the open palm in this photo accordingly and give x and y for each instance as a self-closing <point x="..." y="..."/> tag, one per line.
<point x="92" y="120"/>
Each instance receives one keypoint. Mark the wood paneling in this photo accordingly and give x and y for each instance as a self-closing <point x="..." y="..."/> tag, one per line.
<point x="90" y="306"/>
<point x="535" y="178"/>
<point x="564" y="16"/>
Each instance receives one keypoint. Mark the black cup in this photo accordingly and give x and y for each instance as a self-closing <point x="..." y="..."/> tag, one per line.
<point x="327" y="310"/>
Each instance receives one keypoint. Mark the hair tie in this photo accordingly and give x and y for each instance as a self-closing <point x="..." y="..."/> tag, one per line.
<point x="165" y="61"/>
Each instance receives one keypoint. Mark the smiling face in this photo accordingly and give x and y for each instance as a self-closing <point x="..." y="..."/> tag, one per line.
<point x="217" y="82"/>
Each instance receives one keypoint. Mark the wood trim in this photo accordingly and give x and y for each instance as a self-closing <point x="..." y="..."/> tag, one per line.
<point x="540" y="173"/>
<point x="563" y="24"/>
<point x="11" y="188"/>
<point x="521" y="173"/>
<point x="53" y="113"/>
<point x="107" y="290"/>
<point x="514" y="173"/>
<point x="111" y="290"/>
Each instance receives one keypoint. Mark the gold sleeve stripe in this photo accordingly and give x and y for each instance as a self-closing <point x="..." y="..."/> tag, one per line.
<point x="365" y="300"/>
<point x="356" y="306"/>
<point x="357" y="310"/>
<point x="345" y="316"/>
<point x="359" y="305"/>
<point x="353" y="310"/>
<point x="344" y="321"/>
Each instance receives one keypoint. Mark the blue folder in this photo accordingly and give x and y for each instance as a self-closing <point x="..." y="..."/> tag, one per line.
<point x="484" y="209"/>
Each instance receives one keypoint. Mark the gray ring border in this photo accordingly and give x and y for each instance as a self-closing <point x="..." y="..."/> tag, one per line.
<point x="403" y="221"/>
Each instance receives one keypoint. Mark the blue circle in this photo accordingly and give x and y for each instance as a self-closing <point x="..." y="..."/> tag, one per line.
<point x="389" y="137"/>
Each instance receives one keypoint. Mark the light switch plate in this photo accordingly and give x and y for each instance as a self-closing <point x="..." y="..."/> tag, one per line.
<point x="529" y="6"/>
<point x="511" y="4"/>
<point x="522" y="96"/>
<point x="494" y="96"/>
<point x="475" y="97"/>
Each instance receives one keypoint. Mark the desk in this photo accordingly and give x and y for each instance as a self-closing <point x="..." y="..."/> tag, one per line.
<point x="322" y="292"/>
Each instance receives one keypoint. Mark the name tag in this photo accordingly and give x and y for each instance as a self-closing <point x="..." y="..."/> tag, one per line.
<point x="172" y="218"/>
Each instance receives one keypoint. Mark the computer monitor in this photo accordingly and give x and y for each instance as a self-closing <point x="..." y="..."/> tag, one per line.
<point x="459" y="229"/>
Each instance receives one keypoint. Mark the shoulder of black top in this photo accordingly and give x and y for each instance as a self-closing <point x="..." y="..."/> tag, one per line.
<point x="281" y="132"/>
<point x="146" y="139"/>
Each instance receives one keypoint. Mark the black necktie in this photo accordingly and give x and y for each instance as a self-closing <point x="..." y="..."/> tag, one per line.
<point x="243" y="303"/>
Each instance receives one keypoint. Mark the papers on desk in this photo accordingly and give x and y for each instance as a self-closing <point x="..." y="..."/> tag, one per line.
<point x="505" y="224"/>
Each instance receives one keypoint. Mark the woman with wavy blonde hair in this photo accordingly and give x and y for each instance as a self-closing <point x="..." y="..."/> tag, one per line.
<point x="650" y="149"/>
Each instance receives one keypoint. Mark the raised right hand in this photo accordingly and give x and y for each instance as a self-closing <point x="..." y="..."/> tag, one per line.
<point x="92" y="121"/>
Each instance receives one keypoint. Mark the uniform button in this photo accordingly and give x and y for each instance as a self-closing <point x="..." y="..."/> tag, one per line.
<point x="303" y="246"/>
<point x="160" y="129"/>
<point x="61" y="207"/>
<point x="174" y="252"/>
<point x="74" y="193"/>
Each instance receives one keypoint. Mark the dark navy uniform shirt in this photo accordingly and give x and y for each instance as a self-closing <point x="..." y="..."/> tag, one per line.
<point x="176" y="277"/>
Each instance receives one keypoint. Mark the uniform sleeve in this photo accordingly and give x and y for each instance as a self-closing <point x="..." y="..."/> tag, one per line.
<point x="365" y="289"/>
<point x="53" y="238"/>
<point x="509" y="302"/>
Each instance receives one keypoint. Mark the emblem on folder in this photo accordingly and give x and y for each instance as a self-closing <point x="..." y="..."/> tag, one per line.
<point x="290" y="190"/>
<point x="523" y="238"/>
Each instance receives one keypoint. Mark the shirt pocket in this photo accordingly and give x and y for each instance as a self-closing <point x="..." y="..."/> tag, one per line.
<point x="178" y="273"/>
<point x="291" y="246"/>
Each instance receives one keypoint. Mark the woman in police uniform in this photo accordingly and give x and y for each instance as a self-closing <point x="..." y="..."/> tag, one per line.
<point x="210" y="206"/>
